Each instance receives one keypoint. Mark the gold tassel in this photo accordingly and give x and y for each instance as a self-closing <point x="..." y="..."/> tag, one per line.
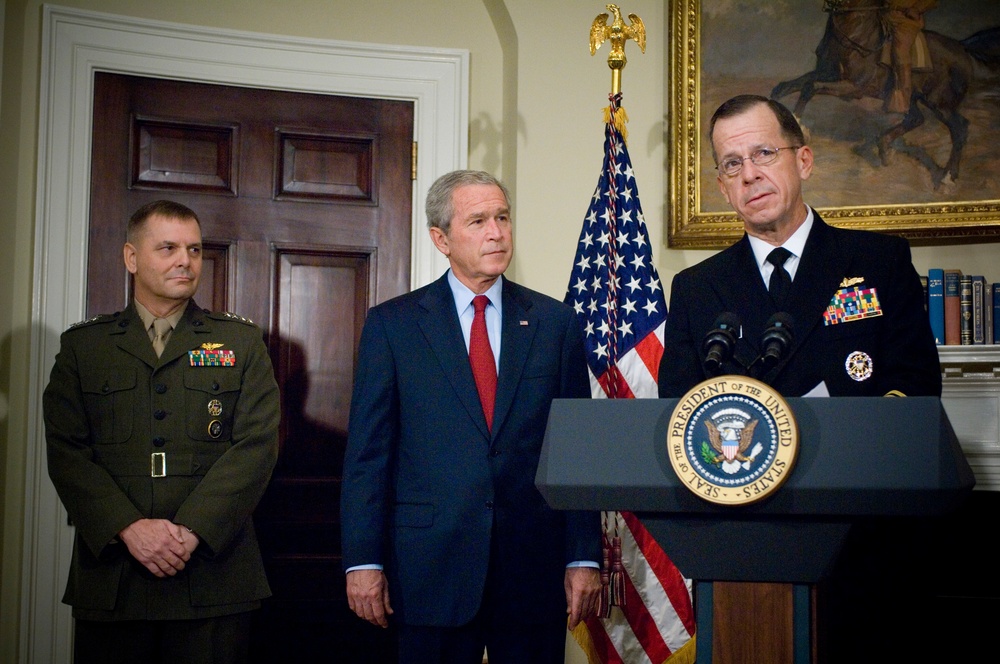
<point x="621" y="118"/>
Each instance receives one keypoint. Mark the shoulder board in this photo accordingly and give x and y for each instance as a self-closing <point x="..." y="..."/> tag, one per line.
<point x="100" y="318"/>
<point x="228" y="315"/>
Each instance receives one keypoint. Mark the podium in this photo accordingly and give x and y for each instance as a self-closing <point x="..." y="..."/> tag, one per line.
<point x="859" y="457"/>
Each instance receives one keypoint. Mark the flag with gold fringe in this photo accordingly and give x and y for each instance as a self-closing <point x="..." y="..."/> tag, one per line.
<point x="646" y="613"/>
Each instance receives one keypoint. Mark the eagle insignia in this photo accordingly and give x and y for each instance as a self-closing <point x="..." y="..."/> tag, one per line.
<point x="618" y="32"/>
<point x="730" y="432"/>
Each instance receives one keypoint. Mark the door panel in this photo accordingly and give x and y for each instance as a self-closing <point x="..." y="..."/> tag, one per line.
<point x="305" y="204"/>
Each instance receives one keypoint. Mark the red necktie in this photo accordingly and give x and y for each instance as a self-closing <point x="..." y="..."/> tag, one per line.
<point x="484" y="367"/>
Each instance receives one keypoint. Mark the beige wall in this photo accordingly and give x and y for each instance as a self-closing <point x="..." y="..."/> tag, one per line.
<point x="535" y="120"/>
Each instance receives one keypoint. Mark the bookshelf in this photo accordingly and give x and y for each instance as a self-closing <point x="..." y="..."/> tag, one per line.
<point x="971" y="397"/>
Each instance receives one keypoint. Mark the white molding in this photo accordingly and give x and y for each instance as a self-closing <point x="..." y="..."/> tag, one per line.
<point x="74" y="45"/>
<point x="971" y="397"/>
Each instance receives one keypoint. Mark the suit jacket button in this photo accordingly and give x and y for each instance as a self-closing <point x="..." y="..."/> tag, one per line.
<point x="160" y="414"/>
<point x="215" y="386"/>
<point x="160" y="388"/>
<point x="159" y="441"/>
<point x="495" y="453"/>
<point x="489" y="504"/>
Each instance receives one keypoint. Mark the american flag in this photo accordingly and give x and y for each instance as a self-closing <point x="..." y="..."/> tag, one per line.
<point x="619" y="302"/>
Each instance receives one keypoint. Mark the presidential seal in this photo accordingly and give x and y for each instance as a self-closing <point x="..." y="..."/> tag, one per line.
<point x="732" y="440"/>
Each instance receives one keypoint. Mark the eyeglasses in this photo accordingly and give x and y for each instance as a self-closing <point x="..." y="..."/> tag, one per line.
<point x="731" y="166"/>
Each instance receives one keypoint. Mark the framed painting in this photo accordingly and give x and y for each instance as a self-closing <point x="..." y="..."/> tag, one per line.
<point x="931" y="174"/>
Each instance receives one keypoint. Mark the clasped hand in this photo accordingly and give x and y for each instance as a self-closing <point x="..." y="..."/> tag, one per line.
<point x="163" y="547"/>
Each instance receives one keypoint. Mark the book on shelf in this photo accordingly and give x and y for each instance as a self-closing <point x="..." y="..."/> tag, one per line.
<point x="996" y="313"/>
<point x="988" y="291"/>
<point x="935" y="303"/>
<point x="965" y="309"/>
<point x="952" y="307"/>
<point x="978" y="315"/>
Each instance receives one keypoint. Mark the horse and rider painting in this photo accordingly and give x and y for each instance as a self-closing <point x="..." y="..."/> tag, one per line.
<point x="901" y="97"/>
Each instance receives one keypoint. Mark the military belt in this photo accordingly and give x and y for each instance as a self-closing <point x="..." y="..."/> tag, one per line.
<point x="157" y="464"/>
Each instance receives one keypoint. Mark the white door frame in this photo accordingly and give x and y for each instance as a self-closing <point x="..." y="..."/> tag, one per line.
<point x="75" y="44"/>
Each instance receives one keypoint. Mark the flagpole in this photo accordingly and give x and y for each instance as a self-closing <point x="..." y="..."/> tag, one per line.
<point x="645" y="606"/>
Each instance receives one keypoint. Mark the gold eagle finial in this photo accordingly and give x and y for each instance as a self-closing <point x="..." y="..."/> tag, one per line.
<point x="618" y="32"/>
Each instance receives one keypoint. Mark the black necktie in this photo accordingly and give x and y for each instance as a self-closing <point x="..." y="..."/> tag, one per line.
<point x="780" y="281"/>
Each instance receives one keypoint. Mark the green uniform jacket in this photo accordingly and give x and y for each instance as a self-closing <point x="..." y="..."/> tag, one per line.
<point x="109" y="407"/>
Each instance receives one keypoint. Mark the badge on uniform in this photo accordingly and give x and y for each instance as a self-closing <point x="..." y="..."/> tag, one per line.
<point x="851" y="302"/>
<point x="215" y="408"/>
<point x="211" y="355"/>
<point x="859" y="365"/>
<point x="215" y="428"/>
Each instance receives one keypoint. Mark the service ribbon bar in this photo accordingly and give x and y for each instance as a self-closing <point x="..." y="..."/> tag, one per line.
<point x="849" y="304"/>
<point x="212" y="358"/>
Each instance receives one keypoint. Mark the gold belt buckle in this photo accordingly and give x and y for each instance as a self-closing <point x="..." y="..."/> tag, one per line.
<point x="158" y="464"/>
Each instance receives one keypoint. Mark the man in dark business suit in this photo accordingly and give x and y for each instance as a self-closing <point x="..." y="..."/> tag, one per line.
<point x="829" y="273"/>
<point x="161" y="423"/>
<point x="443" y="528"/>
<point x="858" y="329"/>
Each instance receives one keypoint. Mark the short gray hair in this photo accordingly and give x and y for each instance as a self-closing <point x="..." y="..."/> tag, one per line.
<point x="439" y="204"/>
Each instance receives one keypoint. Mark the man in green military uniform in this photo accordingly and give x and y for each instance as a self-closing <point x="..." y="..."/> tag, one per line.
<point x="162" y="431"/>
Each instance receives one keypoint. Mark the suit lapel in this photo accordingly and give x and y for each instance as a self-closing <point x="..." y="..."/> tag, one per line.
<point x="517" y="330"/>
<point x="822" y="267"/>
<point x="439" y="324"/>
<point x="131" y="337"/>
<point x="732" y="284"/>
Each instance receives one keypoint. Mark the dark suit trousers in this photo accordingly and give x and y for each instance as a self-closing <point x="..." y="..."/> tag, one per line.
<point x="506" y="642"/>
<point x="221" y="640"/>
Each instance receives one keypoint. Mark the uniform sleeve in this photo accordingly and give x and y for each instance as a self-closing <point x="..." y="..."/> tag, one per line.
<point x="680" y="368"/>
<point x="911" y="364"/>
<point x="373" y="432"/>
<point x="96" y="504"/>
<point x="219" y="507"/>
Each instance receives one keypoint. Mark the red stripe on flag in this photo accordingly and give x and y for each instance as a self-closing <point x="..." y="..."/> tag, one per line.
<point x="603" y="646"/>
<point x="624" y="391"/>
<point x="667" y="573"/>
<point x="650" y="350"/>
<point x="643" y="625"/>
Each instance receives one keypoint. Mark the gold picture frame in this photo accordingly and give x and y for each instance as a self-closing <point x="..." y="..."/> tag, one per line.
<point x="900" y="197"/>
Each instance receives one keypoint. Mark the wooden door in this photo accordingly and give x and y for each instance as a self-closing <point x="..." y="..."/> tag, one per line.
<point x="305" y="204"/>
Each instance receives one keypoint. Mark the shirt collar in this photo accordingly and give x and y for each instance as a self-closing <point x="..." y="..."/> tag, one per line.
<point x="147" y="317"/>
<point x="463" y="294"/>
<point x="795" y="244"/>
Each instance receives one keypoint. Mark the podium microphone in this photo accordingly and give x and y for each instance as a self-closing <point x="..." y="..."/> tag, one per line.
<point x="776" y="340"/>
<point x="720" y="341"/>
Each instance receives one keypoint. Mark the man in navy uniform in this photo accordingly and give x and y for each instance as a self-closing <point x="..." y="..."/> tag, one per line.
<point x="791" y="262"/>
<point x="162" y="431"/>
